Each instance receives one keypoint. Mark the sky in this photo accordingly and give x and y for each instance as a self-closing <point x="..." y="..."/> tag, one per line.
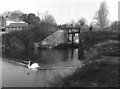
<point x="119" y="10"/>
<point x="64" y="11"/>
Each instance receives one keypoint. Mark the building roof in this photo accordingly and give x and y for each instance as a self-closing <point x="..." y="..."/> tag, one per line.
<point x="17" y="25"/>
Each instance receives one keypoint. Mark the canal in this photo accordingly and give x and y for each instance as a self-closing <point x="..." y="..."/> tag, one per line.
<point x="53" y="65"/>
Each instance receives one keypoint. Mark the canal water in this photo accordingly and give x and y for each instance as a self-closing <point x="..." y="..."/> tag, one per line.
<point x="54" y="64"/>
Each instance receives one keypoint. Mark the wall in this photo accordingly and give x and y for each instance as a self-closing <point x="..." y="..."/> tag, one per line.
<point x="55" y="39"/>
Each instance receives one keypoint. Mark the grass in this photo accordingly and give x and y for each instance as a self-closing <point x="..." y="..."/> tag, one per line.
<point x="102" y="73"/>
<point x="93" y="37"/>
<point x="94" y="75"/>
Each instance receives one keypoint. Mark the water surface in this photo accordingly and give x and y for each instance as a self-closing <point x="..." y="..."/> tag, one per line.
<point x="16" y="74"/>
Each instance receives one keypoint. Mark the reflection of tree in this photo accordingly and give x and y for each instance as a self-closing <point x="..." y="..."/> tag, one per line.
<point x="65" y="55"/>
<point x="72" y="53"/>
<point x="80" y="53"/>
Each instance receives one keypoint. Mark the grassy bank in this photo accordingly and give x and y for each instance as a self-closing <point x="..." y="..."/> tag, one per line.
<point x="90" y="38"/>
<point x="101" y="62"/>
<point x="100" y="73"/>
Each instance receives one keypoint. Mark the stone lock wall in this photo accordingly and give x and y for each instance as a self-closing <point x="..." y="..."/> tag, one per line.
<point x="55" y="39"/>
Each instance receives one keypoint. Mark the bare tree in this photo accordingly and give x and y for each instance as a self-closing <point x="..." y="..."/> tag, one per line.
<point x="14" y="15"/>
<point x="49" y="18"/>
<point x="101" y="16"/>
<point x="6" y="14"/>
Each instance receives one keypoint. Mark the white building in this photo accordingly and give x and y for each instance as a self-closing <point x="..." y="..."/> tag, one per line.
<point x="15" y="26"/>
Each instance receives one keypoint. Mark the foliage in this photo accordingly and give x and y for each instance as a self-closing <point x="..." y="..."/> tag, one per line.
<point x="14" y="15"/>
<point x="24" y="17"/>
<point x="115" y="26"/>
<point x="10" y="40"/>
<point x="82" y="21"/>
<point x="101" y="16"/>
<point x="36" y="31"/>
<point x="43" y="30"/>
<point x="25" y="38"/>
<point x="7" y="14"/>
<point x="26" y="35"/>
<point x="30" y="18"/>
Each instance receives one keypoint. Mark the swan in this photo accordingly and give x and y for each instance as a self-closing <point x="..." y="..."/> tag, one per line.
<point x="33" y="65"/>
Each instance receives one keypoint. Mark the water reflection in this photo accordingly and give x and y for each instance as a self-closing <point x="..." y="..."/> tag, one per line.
<point x="45" y="56"/>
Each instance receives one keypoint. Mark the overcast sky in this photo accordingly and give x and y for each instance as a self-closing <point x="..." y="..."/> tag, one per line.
<point x="62" y="10"/>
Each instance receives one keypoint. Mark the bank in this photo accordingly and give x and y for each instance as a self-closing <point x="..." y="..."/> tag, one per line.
<point x="100" y="69"/>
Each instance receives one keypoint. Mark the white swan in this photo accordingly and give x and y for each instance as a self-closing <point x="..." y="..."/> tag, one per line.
<point x="33" y="65"/>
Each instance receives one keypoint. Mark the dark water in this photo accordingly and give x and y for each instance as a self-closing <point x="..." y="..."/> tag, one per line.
<point x="44" y="56"/>
<point x="16" y="74"/>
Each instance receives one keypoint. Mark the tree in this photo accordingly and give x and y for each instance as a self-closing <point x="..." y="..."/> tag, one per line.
<point x="101" y="16"/>
<point x="73" y="23"/>
<point x="6" y="14"/>
<point x="30" y="18"/>
<point x="24" y="17"/>
<point x="82" y="21"/>
<point x="33" y="19"/>
<point x="14" y="15"/>
<point x="115" y="26"/>
<point x="49" y="19"/>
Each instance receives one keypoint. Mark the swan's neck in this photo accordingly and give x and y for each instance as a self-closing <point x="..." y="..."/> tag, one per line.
<point x="28" y="64"/>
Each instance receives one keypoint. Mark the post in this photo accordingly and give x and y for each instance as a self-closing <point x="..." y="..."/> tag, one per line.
<point x="68" y="35"/>
<point x="72" y="39"/>
<point x="80" y="47"/>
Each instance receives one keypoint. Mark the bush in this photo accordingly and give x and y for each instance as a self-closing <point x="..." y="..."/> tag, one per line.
<point x="43" y="30"/>
<point x="115" y="26"/>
